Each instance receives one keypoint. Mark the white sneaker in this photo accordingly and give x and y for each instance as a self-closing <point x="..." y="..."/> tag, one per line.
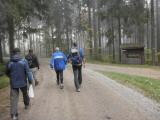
<point x="15" y="118"/>
<point x="78" y="90"/>
<point x="61" y="86"/>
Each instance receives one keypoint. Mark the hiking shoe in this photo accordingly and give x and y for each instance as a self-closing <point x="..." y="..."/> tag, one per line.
<point x="27" y="107"/>
<point x="61" y="86"/>
<point x="78" y="90"/>
<point x="15" y="117"/>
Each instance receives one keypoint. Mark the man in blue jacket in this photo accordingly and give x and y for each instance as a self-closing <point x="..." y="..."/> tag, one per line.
<point x="18" y="72"/>
<point x="58" y="62"/>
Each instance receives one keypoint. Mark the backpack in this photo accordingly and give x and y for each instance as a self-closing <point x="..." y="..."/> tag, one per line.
<point x="76" y="57"/>
<point x="30" y="61"/>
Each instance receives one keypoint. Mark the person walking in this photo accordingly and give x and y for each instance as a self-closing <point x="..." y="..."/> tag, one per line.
<point x="33" y="65"/>
<point x="58" y="63"/>
<point x="18" y="71"/>
<point x="77" y="59"/>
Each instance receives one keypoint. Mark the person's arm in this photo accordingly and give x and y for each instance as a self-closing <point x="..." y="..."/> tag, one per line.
<point x="7" y="70"/>
<point x="69" y="58"/>
<point x="52" y="62"/>
<point x="83" y="61"/>
<point x="65" y="58"/>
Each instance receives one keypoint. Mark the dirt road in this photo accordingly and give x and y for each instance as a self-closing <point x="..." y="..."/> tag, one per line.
<point x="100" y="99"/>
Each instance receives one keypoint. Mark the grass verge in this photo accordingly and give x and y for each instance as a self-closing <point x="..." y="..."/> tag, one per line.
<point x="149" y="86"/>
<point x="4" y="82"/>
<point x="2" y="67"/>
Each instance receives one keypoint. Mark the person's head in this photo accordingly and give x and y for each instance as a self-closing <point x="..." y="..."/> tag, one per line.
<point x="57" y="49"/>
<point x="30" y="51"/>
<point x="16" y="51"/>
<point x="74" y="44"/>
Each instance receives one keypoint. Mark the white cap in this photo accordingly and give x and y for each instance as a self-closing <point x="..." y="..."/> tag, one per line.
<point x="57" y="49"/>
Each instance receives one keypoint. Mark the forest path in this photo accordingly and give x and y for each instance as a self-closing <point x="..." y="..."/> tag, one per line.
<point x="100" y="99"/>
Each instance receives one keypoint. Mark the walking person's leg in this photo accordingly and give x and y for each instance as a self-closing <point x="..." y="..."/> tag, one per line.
<point x="34" y="72"/>
<point x="14" y="98"/>
<point x="80" y="75"/>
<point x="57" y="74"/>
<point x="61" y="79"/>
<point x="76" y="82"/>
<point x="26" y="98"/>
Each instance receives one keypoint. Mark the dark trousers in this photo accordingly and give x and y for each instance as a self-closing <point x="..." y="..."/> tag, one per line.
<point x="77" y="71"/>
<point x="59" y="77"/>
<point x="15" y="98"/>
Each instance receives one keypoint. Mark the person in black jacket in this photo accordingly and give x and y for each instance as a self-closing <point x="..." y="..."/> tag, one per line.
<point x="33" y="64"/>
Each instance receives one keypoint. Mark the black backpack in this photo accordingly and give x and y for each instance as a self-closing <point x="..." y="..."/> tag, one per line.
<point x="30" y="59"/>
<point x="76" y="58"/>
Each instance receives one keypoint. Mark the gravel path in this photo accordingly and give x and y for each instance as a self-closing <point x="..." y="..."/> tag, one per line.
<point x="100" y="99"/>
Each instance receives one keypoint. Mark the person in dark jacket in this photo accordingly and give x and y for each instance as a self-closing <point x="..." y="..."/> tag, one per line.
<point x="33" y="65"/>
<point x="18" y="71"/>
<point x="77" y="59"/>
<point x="58" y="62"/>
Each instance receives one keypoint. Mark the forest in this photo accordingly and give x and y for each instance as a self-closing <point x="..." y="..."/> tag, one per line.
<point x="114" y="31"/>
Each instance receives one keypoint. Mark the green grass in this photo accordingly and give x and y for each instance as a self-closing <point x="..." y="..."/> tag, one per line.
<point x="2" y="67"/>
<point x="4" y="82"/>
<point x="149" y="86"/>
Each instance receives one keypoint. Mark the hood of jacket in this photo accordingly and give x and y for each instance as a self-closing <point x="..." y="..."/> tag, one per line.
<point x="16" y="58"/>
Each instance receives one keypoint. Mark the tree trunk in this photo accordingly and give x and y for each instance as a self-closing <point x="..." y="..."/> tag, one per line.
<point x="11" y="34"/>
<point x="30" y="40"/>
<point x="53" y="44"/>
<point x="19" y="40"/>
<point x="99" y="32"/>
<point x="158" y="25"/>
<point x="119" y="42"/>
<point x="67" y="34"/>
<point x="1" y="54"/>
<point x="90" y="27"/>
<point x="95" y="29"/>
<point x="4" y="45"/>
<point x="153" y="32"/>
<point x="113" y="38"/>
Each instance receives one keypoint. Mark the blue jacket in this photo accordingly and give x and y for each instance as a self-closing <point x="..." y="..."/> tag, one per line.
<point x="58" y="61"/>
<point x="18" y="71"/>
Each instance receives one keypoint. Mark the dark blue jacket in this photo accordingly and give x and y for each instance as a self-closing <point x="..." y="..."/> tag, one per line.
<point x="18" y="71"/>
<point x="58" y="61"/>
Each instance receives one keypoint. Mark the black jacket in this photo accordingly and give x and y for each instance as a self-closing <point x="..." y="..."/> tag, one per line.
<point x="32" y="61"/>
